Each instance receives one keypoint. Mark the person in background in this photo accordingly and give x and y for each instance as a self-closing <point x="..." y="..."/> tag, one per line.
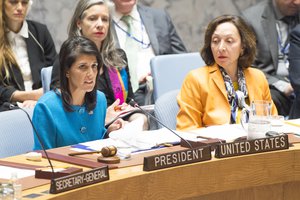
<point x="26" y="46"/>
<point x="294" y="69"/>
<point x="272" y="21"/>
<point x="208" y="95"/>
<point x="74" y="112"/>
<point x="143" y="32"/>
<point x="92" y="19"/>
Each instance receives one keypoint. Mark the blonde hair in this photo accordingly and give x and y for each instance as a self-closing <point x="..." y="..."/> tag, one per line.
<point x="7" y="58"/>
<point x="109" y="54"/>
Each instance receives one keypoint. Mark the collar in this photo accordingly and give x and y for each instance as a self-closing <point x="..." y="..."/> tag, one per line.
<point x="22" y="33"/>
<point x="134" y="14"/>
<point x="278" y="14"/>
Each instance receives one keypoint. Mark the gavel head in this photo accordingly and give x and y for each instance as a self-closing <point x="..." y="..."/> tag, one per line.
<point x="109" y="151"/>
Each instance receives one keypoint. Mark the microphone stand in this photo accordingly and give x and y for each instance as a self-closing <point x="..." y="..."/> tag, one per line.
<point x="134" y="104"/>
<point x="13" y="107"/>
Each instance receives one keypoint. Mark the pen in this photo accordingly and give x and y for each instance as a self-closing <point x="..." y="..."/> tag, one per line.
<point x="118" y="108"/>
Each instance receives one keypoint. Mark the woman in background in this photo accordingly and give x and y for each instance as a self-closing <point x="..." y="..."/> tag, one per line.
<point x="208" y="95"/>
<point x="75" y="112"/>
<point x="92" y="19"/>
<point x="26" y="46"/>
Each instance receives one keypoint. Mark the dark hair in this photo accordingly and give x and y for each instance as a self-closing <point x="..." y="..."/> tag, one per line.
<point x="70" y="50"/>
<point x="248" y="40"/>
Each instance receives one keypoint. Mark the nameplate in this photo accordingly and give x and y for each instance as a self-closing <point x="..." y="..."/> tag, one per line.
<point x="77" y="180"/>
<point x="252" y="146"/>
<point x="177" y="158"/>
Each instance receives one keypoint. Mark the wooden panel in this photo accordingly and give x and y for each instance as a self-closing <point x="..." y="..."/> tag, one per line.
<point x="272" y="175"/>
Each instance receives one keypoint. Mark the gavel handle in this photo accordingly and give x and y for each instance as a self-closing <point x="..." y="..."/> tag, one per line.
<point x="83" y="153"/>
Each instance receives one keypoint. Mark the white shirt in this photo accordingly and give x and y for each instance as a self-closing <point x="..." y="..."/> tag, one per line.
<point x="144" y="53"/>
<point x="19" y="47"/>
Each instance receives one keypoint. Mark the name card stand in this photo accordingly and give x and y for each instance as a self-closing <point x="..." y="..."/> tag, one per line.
<point x="78" y="180"/>
<point x="252" y="146"/>
<point x="46" y="173"/>
<point x="213" y="142"/>
<point x="176" y="158"/>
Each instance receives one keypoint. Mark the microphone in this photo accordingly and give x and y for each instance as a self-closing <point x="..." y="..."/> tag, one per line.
<point x="136" y="105"/>
<point x="13" y="107"/>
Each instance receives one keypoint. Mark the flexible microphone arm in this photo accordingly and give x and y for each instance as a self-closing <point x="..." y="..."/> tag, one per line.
<point x="13" y="107"/>
<point x="136" y="105"/>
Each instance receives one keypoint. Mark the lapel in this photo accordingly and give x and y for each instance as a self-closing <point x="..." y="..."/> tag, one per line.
<point x="114" y="34"/>
<point x="268" y="23"/>
<point x="250" y="83"/>
<point x="147" y="20"/>
<point x="217" y="78"/>
<point x="33" y="55"/>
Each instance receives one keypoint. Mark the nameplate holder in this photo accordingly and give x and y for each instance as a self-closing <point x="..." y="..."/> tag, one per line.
<point x="78" y="180"/>
<point x="198" y="142"/>
<point x="177" y="158"/>
<point x="46" y="173"/>
<point x="252" y="146"/>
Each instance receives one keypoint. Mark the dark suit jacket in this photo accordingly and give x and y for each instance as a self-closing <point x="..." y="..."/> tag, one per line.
<point x="161" y="31"/>
<point x="103" y="81"/>
<point x="40" y="55"/>
<point x="294" y="69"/>
<point x="263" y="20"/>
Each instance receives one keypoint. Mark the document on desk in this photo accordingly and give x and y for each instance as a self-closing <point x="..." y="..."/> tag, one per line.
<point x="133" y="140"/>
<point x="228" y="132"/>
<point x="21" y="173"/>
<point x="293" y="122"/>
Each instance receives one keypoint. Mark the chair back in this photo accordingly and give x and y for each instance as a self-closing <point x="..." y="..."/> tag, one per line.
<point x="169" y="71"/>
<point x="166" y="109"/>
<point x="46" y="74"/>
<point x="16" y="133"/>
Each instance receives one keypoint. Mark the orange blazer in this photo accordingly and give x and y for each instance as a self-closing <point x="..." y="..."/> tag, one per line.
<point x="203" y="98"/>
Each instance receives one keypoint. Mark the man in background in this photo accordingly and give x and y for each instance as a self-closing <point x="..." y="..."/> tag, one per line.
<point x="294" y="69"/>
<point x="272" y="21"/>
<point x="143" y="33"/>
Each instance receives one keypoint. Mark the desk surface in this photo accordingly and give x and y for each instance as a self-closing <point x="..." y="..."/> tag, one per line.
<point x="273" y="175"/>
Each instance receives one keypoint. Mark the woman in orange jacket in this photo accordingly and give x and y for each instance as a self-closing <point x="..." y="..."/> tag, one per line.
<point x="208" y="95"/>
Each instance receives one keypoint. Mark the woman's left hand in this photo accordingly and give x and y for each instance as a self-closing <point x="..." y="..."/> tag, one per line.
<point x="116" y="125"/>
<point x="29" y="104"/>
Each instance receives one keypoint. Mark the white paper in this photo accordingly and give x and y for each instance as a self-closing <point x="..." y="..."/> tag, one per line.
<point x="6" y="172"/>
<point x="228" y="132"/>
<point x="131" y="139"/>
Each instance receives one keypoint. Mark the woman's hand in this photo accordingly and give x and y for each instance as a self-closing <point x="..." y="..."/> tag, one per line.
<point x="28" y="104"/>
<point x="116" y="125"/>
<point x="22" y="96"/>
<point x="116" y="109"/>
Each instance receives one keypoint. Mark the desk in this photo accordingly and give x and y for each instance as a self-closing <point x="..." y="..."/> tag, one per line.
<point x="272" y="175"/>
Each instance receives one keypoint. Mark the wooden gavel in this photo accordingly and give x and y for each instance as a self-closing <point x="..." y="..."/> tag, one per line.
<point x="108" y="151"/>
